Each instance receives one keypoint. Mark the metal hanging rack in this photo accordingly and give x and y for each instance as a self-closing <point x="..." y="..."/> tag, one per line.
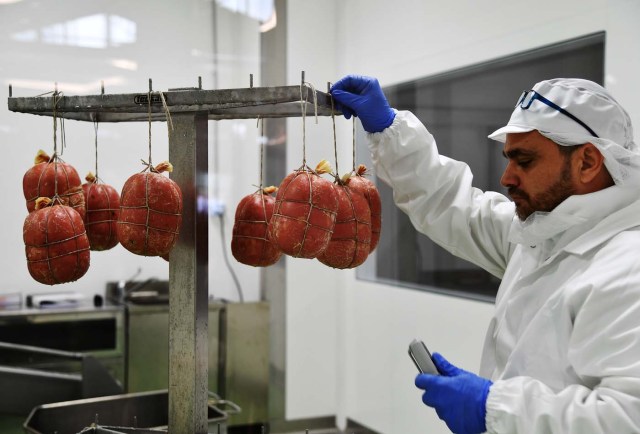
<point x="191" y="109"/>
<point x="243" y="103"/>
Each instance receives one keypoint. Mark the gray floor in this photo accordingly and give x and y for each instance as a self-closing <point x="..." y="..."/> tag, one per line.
<point x="10" y="424"/>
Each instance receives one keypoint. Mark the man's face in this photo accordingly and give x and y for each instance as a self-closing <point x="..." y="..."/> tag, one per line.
<point x="538" y="175"/>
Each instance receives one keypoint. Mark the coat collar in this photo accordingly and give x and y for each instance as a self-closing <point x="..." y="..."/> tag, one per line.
<point x="581" y="222"/>
<point x="619" y="221"/>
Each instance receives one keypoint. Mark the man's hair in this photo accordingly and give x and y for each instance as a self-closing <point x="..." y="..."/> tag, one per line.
<point x="567" y="151"/>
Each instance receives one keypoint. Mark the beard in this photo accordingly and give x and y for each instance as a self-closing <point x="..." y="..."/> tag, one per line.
<point x="546" y="201"/>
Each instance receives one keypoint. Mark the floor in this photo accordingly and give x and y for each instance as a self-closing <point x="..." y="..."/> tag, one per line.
<point x="13" y="425"/>
<point x="353" y="428"/>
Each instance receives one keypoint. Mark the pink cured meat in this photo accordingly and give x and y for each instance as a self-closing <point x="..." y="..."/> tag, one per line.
<point x="250" y="243"/>
<point x="150" y="214"/>
<point x="304" y="214"/>
<point x="349" y="245"/>
<point x="56" y="245"/>
<point x="370" y="192"/>
<point x="40" y="181"/>
<point x="102" y="203"/>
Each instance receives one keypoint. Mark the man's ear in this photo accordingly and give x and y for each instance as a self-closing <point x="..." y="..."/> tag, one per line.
<point x="591" y="166"/>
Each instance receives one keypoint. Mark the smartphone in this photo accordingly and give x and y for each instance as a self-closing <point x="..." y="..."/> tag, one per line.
<point x="422" y="357"/>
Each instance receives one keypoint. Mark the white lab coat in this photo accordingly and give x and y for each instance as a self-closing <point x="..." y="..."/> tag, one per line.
<point x="563" y="347"/>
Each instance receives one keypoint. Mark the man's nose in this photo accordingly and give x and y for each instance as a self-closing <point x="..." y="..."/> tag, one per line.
<point x="509" y="178"/>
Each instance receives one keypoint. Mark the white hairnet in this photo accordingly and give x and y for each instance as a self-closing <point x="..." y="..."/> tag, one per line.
<point x="594" y="117"/>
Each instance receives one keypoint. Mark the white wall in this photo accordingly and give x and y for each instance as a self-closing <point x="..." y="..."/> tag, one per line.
<point x="366" y="327"/>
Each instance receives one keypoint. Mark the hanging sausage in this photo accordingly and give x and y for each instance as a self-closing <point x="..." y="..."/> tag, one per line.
<point x="368" y="189"/>
<point x="150" y="212"/>
<point x="349" y="244"/>
<point x="305" y="212"/>
<point x="150" y="205"/>
<point x="250" y="243"/>
<point x="51" y="175"/>
<point x="56" y="244"/>
<point x="102" y="203"/>
<point x="306" y="204"/>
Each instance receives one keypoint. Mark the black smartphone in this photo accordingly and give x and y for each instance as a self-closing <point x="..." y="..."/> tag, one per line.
<point x="422" y="357"/>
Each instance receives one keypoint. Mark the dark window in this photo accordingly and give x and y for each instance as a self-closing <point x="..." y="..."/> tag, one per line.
<point x="460" y="109"/>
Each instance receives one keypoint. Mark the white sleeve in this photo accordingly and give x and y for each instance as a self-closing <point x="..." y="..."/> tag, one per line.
<point x="437" y="195"/>
<point x="604" y="351"/>
<point x="526" y="405"/>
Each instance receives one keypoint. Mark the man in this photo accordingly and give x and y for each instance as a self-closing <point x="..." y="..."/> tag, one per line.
<point x="562" y="353"/>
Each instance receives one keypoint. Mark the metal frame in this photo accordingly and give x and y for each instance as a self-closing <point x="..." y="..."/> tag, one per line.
<point x="245" y="103"/>
<point x="190" y="110"/>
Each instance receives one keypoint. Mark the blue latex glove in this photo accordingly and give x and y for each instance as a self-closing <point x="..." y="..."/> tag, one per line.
<point x="459" y="397"/>
<point x="361" y="96"/>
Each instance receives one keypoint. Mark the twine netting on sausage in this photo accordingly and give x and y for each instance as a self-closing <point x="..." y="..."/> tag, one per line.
<point x="102" y="213"/>
<point x="51" y="176"/>
<point x="261" y="219"/>
<point x="150" y="205"/>
<point x="250" y="243"/>
<point x="143" y="212"/>
<point x="349" y="244"/>
<point x="103" y="207"/>
<point x="305" y="209"/>
<point x="360" y="184"/>
<point x="57" y="96"/>
<point x="355" y="215"/>
<point x="263" y="202"/>
<point x="56" y="244"/>
<point x="70" y="195"/>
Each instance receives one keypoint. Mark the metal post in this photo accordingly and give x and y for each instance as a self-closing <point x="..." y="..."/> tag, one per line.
<point x="188" y="277"/>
